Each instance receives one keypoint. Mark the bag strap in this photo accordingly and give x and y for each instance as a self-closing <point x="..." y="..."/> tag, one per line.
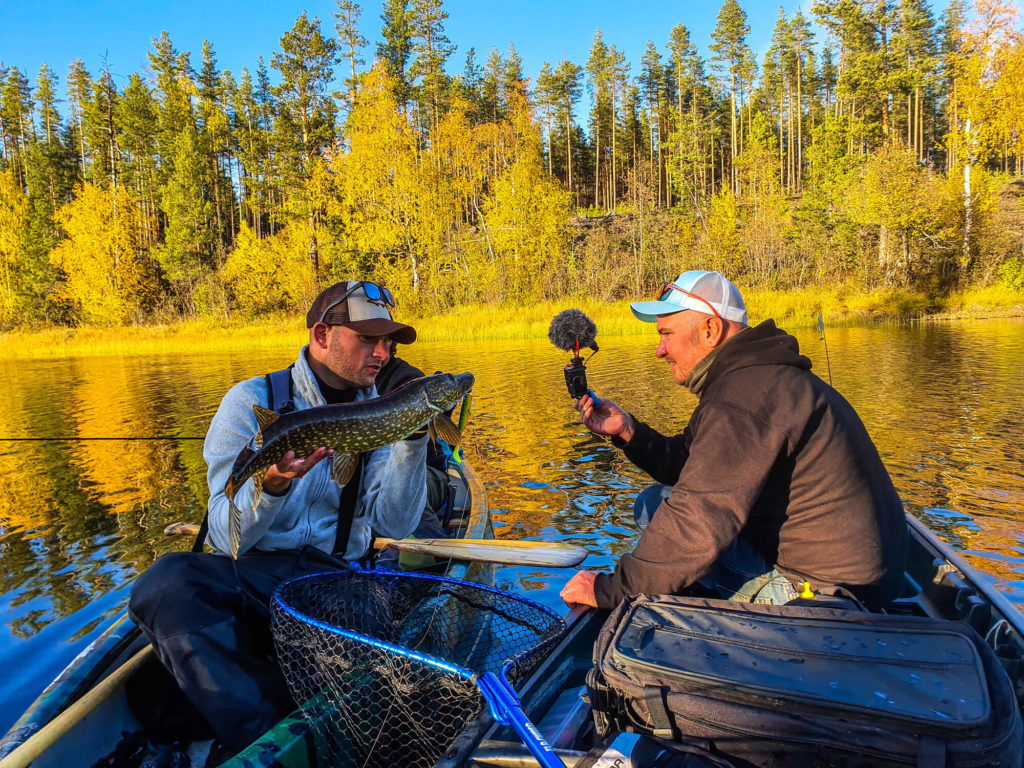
<point x="657" y="710"/>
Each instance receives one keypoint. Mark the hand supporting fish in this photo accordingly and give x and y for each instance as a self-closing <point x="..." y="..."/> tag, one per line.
<point x="348" y="430"/>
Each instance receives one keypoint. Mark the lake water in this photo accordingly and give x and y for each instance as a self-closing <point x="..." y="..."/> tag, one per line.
<point x="79" y="519"/>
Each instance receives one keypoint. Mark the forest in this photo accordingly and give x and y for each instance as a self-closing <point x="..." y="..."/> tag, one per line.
<point x="875" y="145"/>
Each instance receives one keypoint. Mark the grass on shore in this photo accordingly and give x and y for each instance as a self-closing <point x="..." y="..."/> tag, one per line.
<point x="791" y="309"/>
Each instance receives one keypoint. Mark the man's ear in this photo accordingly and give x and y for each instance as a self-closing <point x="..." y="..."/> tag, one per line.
<point x="714" y="331"/>
<point x="318" y="335"/>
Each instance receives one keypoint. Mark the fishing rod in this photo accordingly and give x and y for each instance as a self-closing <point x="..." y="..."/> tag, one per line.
<point x="821" y="330"/>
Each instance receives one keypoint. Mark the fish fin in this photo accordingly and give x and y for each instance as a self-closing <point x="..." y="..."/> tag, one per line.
<point x="264" y="416"/>
<point x="235" y="529"/>
<point x="343" y="466"/>
<point x="257" y="488"/>
<point x="445" y="428"/>
<point x="432" y="432"/>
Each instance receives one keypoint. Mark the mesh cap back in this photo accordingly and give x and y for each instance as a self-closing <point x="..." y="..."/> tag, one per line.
<point x="697" y="290"/>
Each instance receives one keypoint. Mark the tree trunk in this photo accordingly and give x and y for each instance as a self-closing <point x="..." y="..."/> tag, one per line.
<point x="966" y="257"/>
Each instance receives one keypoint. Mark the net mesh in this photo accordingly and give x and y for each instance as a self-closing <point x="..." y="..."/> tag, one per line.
<point x="383" y="665"/>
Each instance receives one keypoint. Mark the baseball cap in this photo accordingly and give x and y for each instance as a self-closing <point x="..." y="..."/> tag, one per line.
<point x="707" y="292"/>
<point x="364" y="310"/>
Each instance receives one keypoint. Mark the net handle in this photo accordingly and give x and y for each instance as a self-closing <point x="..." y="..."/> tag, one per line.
<point x="507" y="709"/>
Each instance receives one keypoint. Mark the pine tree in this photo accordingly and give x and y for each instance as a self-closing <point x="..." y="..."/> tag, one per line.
<point x="914" y="55"/>
<point x="16" y="107"/>
<point x="79" y="95"/>
<point x="652" y="81"/>
<point x="138" y="122"/>
<point x="729" y="36"/>
<point x="187" y="254"/>
<point x="430" y="50"/>
<point x="101" y="133"/>
<point x="490" y="87"/>
<point x="545" y="96"/>
<point x="49" y="119"/>
<point x="601" y="114"/>
<point x="396" y="48"/>
<point x="950" y="34"/>
<point x="306" y="116"/>
<point x="13" y="214"/>
<point x="173" y="72"/>
<point x="568" y="81"/>
<point x="351" y="42"/>
<point x="801" y="39"/>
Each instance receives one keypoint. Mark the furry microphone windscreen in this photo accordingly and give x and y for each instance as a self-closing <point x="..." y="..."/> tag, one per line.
<point x="568" y="326"/>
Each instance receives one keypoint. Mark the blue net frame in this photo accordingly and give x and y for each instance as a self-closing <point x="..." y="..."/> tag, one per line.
<point x="384" y="665"/>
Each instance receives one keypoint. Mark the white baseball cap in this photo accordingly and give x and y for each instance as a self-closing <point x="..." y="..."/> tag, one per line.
<point x="707" y="292"/>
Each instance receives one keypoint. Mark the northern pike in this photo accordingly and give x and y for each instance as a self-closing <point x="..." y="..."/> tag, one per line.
<point x="348" y="428"/>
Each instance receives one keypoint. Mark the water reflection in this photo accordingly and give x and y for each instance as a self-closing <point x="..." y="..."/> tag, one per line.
<point x="78" y="519"/>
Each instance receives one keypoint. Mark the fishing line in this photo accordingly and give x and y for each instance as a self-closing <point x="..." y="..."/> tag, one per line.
<point x="74" y="439"/>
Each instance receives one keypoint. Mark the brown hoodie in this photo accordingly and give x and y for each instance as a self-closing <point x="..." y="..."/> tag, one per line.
<point x="774" y="454"/>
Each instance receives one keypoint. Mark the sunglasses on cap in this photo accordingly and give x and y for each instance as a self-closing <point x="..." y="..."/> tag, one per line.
<point x="667" y="288"/>
<point x="375" y="293"/>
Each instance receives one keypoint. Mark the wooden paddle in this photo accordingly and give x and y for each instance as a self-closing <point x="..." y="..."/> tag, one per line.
<point x="502" y="551"/>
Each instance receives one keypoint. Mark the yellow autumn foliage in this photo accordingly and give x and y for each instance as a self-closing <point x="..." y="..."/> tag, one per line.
<point x="107" y="273"/>
<point x="272" y="273"/>
<point x="13" y="205"/>
<point x="526" y="219"/>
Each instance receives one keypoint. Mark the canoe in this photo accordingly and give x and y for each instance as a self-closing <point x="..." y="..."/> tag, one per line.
<point x="89" y="695"/>
<point x="938" y="583"/>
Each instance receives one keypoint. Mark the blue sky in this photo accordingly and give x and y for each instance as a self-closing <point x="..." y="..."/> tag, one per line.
<point x="58" y="31"/>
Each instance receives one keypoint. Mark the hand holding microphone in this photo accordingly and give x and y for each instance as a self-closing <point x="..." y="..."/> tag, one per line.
<point x="604" y="417"/>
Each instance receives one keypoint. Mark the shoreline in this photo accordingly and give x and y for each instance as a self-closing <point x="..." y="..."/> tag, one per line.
<point x="475" y="323"/>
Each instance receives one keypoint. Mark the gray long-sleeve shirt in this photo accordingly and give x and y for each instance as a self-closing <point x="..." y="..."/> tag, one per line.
<point x="392" y="490"/>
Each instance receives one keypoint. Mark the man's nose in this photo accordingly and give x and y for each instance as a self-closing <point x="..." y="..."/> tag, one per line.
<point x="660" y="351"/>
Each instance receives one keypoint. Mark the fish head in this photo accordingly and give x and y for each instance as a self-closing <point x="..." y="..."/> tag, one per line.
<point x="445" y="390"/>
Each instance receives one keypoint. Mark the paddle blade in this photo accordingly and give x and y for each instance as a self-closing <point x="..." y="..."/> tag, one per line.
<point x="181" y="529"/>
<point x="506" y="552"/>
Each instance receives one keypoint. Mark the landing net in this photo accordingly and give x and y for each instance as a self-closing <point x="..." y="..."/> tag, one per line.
<point x="384" y="665"/>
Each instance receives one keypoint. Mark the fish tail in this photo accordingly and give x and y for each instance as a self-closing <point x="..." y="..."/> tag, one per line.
<point x="235" y="529"/>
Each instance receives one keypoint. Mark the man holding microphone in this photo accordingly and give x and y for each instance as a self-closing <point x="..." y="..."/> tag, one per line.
<point x="772" y="490"/>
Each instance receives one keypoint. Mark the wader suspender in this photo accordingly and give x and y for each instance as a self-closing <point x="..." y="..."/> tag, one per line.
<point x="347" y="509"/>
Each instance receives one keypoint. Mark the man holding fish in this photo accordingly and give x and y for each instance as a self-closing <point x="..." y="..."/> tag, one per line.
<point x="292" y="494"/>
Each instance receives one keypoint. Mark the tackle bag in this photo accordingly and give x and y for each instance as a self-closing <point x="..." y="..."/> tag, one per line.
<point x="767" y="685"/>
